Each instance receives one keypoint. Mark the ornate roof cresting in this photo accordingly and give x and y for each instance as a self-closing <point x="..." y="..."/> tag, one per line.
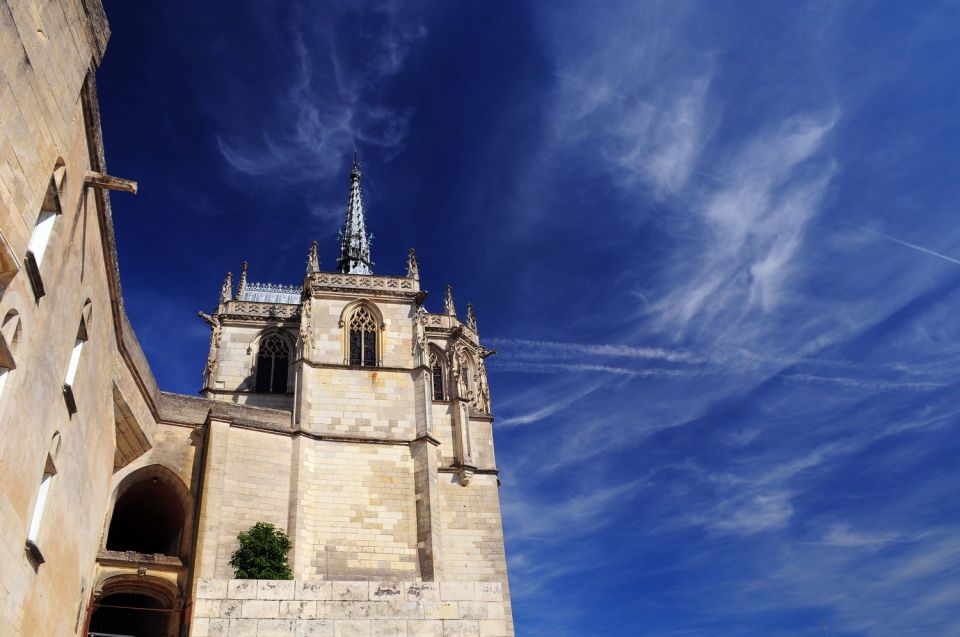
<point x="354" y="241"/>
<point x="272" y="293"/>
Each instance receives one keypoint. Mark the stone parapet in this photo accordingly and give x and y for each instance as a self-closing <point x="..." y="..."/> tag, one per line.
<point x="336" y="608"/>
<point x="326" y="282"/>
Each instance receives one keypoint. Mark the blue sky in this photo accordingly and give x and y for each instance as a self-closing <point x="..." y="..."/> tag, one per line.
<point x="715" y="245"/>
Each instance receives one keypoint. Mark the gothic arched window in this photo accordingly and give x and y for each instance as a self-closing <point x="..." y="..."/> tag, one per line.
<point x="436" y="372"/>
<point x="273" y="361"/>
<point x="363" y="338"/>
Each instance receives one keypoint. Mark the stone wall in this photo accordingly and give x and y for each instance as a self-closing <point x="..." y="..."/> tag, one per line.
<point x="306" y="608"/>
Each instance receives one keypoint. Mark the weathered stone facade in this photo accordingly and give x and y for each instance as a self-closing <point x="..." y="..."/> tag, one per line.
<point x="338" y="409"/>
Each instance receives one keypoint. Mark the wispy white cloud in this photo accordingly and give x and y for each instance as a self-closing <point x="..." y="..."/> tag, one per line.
<point x="753" y="224"/>
<point x="845" y="536"/>
<point x="314" y="129"/>
<point x="553" y="406"/>
<point x="541" y="350"/>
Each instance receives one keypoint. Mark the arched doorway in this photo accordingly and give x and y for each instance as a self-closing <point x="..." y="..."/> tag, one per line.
<point x="131" y="614"/>
<point x="151" y="514"/>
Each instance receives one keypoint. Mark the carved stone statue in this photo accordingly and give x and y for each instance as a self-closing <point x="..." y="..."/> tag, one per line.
<point x="226" y="291"/>
<point x="448" y="305"/>
<point x="313" y="259"/>
<point x="420" y="334"/>
<point x="471" y="317"/>
<point x="306" y="334"/>
<point x="413" y="271"/>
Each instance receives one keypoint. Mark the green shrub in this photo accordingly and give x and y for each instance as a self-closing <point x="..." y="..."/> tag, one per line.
<point x="262" y="553"/>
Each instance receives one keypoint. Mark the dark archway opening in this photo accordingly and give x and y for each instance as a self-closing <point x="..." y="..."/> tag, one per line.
<point x="130" y="615"/>
<point x="147" y="518"/>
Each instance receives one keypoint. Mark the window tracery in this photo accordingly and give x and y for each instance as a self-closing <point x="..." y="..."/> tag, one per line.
<point x="273" y="361"/>
<point x="436" y="371"/>
<point x="363" y="338"/>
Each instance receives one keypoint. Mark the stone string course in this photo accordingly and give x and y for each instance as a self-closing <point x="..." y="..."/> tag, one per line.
<point x="317" y="608"/>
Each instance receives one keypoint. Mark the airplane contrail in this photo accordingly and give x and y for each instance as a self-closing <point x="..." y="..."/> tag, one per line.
<point x="913" y="246"/>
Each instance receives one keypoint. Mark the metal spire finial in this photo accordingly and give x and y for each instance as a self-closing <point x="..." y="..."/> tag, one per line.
<point x="354" y="240"/>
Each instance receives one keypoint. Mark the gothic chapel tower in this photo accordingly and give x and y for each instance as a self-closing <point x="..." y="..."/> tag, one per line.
<point x="371" y="444"/>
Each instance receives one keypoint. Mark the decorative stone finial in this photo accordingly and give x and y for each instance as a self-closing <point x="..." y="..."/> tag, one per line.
<point x="413" y="271"/>
<point x="313" y="259"/>
<point x="226" y="291"/>
<point x="242" y="285"/>
<point x="448" y="305"/>
<point x="471" y="317"/>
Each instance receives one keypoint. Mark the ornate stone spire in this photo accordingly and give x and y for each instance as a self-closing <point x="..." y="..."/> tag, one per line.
<point x="354" y="241"/>
<point x="448" y="305"/>
<point x="242" y="285"/>
<point x="313" y="259"/>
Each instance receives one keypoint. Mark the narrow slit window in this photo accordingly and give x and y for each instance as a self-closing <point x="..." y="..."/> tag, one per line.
<point x="273" y="361"/>
<point x="363" y="338"/>
<point x="72" y="366"/>
<point x="43" y="493"/>
<point x="41" y="235"/>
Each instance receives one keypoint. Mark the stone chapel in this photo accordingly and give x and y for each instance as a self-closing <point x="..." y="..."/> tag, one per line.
<point x="339" y="408"/>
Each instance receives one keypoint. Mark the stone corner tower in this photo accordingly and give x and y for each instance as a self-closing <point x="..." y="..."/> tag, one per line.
<point x="383" y="469"/>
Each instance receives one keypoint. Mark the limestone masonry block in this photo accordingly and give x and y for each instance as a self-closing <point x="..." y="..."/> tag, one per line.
<point x="260" y="608"/>
<point x="353" y="628"/>
<point x="490" y="591"/>
<point x="440" y="610"/>
<point x="493" y="628"/>
<point x="274" y="589"/>
<point x="242" y="628"/>
<point x="351" y="591"/>
<point x="300" y="609"/>
<point x="313" y="589"/>
<point x="211" y="589"/>
<point x="314" y="628"/>
<point x="385" y="590"/>
<point x="389" y="628"/>
<point x="424" y="628"/>
<point x="207" y="608"/>
<point x="423" y="591"/>
<point x="456" y="591"/>
<point x="200" y="627"/>
<point x="275" y="627"/>
<point x="496" y="610"/>
<point x="230" y="608"/>
<point x="242" y="589"/>
<point x="472" y="610"/>
<point x="460" y="628"/>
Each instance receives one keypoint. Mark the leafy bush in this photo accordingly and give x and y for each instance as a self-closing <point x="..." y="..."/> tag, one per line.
<point x="262" y="553"/>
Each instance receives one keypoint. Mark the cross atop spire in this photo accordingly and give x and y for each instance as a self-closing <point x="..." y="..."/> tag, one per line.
<point x="354" y="241"/>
